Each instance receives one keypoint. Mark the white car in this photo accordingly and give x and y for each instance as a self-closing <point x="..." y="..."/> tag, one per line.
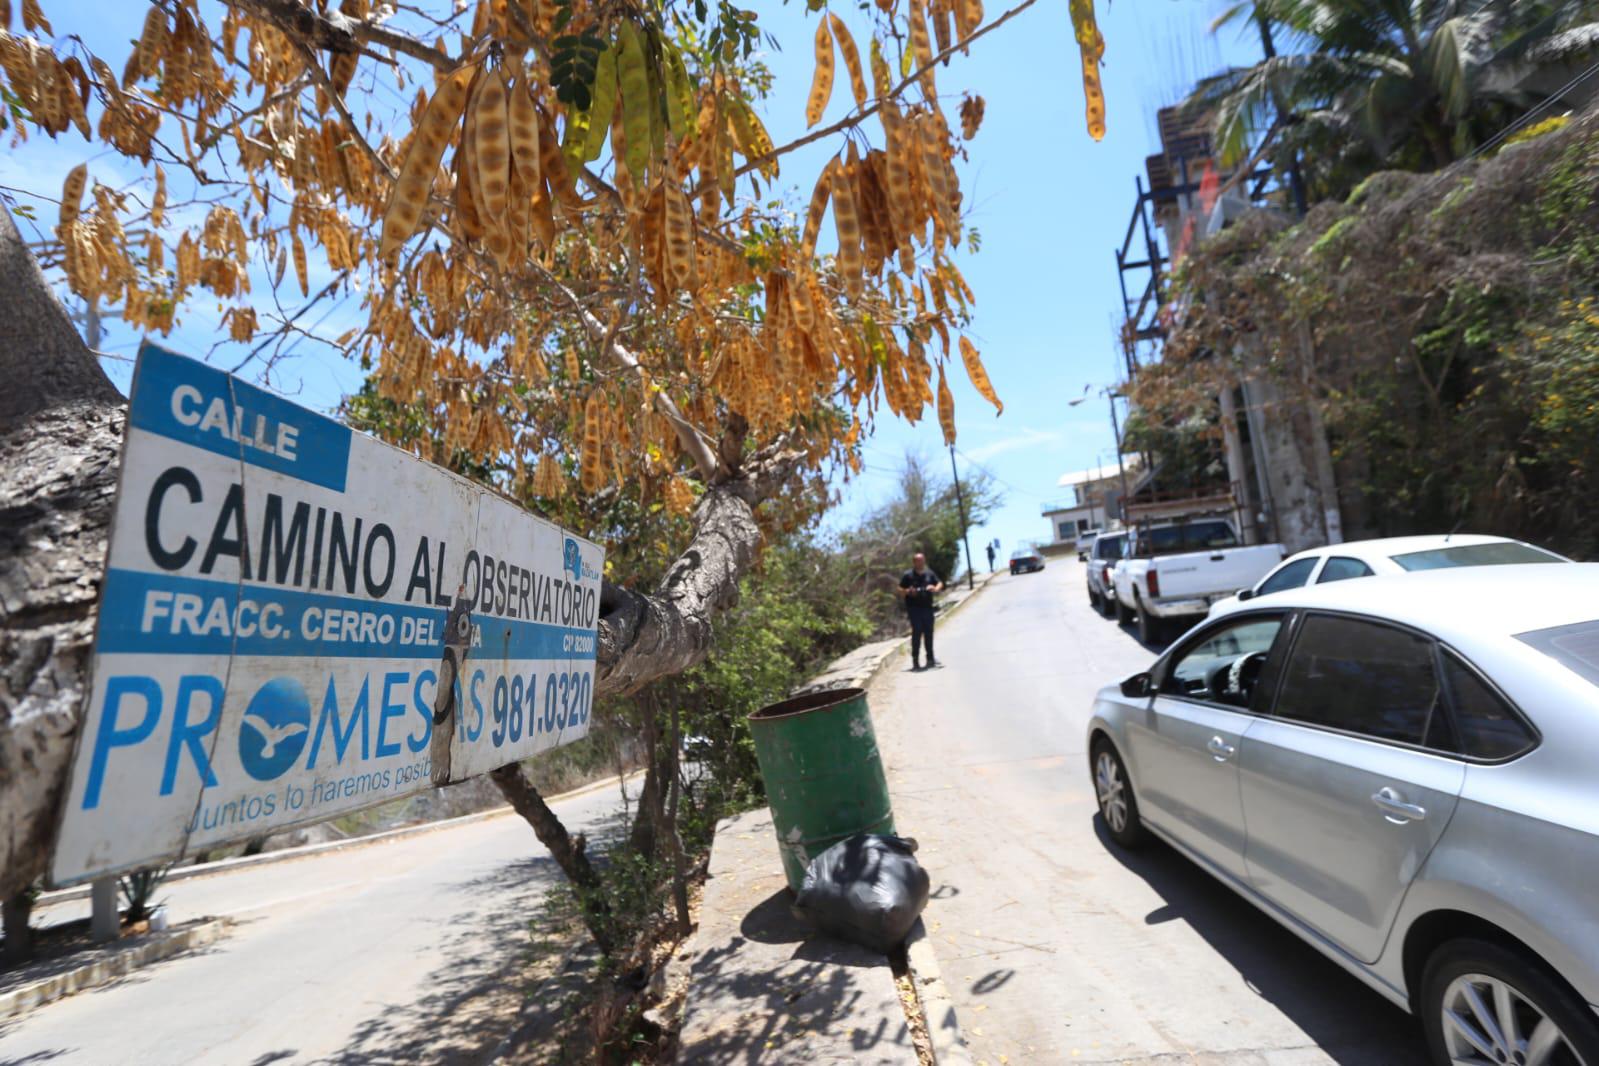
<point x="1389" y="555"/>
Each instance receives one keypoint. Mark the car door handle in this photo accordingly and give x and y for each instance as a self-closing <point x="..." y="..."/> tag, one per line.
<point x="1221" y="749"/>
<point x="1218" y="558"/>
<point x="1394" y="807"/>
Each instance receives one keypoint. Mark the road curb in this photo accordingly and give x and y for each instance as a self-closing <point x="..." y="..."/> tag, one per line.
<point x="222" y="866"/>
<point x="109" y="967"/>
<point x="943" y="1027"/>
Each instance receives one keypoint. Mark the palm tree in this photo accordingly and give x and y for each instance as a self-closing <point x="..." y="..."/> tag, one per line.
<point x="1414" y="84"/>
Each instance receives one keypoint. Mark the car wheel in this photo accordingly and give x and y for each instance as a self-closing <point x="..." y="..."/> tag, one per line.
<point x="1148" y="627"/>
<point x="1107" y="605"/>
<point x="1093" y="600"/>
<point x="1123" y="615"/>
<point x="1485" y="1003"/>
<point x="1114" y="791"/>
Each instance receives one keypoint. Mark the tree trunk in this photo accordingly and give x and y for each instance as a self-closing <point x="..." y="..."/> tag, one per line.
<point x="15" y="915"/>
<point x="60" y="438"/>
<point x="674" y="839"/>
<point x="647" y="819"/>
<point x="569" y="851"/>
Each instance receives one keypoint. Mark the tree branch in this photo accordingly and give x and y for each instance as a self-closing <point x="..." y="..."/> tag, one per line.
<point x="692" y="440"/>
<point x="336" y="32"/>
<point x="643" y="637"/>
<point x="853" y="120"/>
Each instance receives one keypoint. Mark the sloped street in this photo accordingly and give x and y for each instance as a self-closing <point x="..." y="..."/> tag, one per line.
<point x="1056" y="945"/>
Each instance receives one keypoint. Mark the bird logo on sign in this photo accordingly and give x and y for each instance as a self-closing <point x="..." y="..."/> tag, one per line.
<point x="572" y="559"/>
<point x="274" y="729"/>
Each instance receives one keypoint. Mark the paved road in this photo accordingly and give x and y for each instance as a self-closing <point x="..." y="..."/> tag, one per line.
<point x="408" y="950"/>
<point x="1057" y="946"/>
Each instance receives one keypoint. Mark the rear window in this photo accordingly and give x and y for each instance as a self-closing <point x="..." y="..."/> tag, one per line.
<point x="1194" y="536"/>
<point x="1575" y="647"/>
<point x="1109" y="548"/>
<point x="1504" y="554"/>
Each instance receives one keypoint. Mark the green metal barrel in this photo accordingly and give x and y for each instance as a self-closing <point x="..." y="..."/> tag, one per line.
<point x="824" y="777"/>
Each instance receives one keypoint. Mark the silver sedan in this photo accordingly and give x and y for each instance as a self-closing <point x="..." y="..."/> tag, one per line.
<point x="1402" y="772"/>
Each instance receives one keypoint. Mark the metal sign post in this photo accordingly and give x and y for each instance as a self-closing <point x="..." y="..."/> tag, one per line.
<point x="292" y="614"/>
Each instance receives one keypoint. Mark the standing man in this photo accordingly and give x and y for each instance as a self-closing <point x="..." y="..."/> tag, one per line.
<point x="991" y="557"/>
<point x="916" y="588"/>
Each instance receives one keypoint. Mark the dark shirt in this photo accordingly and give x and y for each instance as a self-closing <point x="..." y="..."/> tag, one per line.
<point x="921" y="586"/>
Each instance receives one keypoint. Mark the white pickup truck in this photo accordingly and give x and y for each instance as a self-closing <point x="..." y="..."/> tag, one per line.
<point x="1173" y="572"/>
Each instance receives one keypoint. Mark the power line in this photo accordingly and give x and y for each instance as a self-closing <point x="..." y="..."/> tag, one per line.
<point x="1002" y="481"/>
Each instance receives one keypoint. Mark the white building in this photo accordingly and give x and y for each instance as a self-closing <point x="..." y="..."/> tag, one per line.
<point x="1095" y="502"/>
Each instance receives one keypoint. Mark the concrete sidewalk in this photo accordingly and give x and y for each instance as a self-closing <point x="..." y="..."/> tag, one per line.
<point x="765" y="988"/>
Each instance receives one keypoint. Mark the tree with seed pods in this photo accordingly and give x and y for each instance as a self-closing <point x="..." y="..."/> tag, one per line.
<point x="563" y="252"/>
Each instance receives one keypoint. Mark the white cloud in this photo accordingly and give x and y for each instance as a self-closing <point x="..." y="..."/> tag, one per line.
<point x="1022" y="439"/>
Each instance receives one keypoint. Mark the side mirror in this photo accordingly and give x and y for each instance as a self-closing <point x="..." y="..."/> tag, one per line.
<point x="1138" y="686"/>
<point x="1246" y="594"/>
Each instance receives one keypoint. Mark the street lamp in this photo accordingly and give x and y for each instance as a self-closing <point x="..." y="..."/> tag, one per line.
<point x="1111" y="393"/>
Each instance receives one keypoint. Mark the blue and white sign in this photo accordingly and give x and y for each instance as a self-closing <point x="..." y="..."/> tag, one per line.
<point x="298" y="621"/>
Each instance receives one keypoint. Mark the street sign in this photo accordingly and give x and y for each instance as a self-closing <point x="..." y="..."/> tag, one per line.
<point x="298" y="621"/>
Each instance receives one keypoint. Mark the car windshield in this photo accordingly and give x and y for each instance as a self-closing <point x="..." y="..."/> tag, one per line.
<point x="1192" y="536"/>
<point x="1023" y="553"/>
<point x="1109" y="548"/>
<point x="1504" y="553"/>
<point x="1576" y="647"/>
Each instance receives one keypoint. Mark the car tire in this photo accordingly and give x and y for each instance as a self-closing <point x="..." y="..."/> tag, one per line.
<point x="1113" y="791"/>
<point x="1107" y="606"/>
<point x="1499" y="975"/>
<point x="1149" y="627"/>
<point x="1093" y="600"/>
<point x="1123" y="615"/>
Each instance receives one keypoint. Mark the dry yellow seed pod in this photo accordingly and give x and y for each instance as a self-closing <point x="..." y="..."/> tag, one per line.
<point x="852" y="59"/>
<point x="72" y="193"/>
<point x="822" y="79"/>
<point x="302" y="273"/>
<point x="491" y="146"/>
<point x="922" y="47"/>
<point x="408" y="198"/>
<point x="946" y="407"/>
<point x="979" y="376"/>
<point x="813" y="215"/>
<point x="524" y="120"/>
<point x="846" y="221"/>
<point x="679" y="236"/>
<point x="590" y="460"/>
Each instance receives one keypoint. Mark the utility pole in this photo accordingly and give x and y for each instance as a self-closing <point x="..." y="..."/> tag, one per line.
<point x="1121" y="471"/>
<point x="960" y="502"/>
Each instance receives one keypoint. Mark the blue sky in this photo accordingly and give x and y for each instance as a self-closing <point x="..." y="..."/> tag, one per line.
<point x="1049" y="202"/>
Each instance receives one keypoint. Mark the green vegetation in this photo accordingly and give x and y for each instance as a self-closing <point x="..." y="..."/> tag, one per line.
<point x="1451" y="345"/>
<point x="1366" y="87"/>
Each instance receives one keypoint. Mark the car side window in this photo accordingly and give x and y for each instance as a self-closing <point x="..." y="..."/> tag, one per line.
<point x="1487" y="727"/>
<point x="1226" y="663"/>
<point x="1342" y="568"/>
<point x="1366" y="678"/>
<point x="1288" y="576"/>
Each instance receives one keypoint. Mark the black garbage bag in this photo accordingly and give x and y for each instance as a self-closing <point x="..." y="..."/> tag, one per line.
<point x="868" y="889"/>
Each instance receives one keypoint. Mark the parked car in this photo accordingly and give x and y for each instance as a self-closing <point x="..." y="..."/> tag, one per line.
<point x="1085" y="541"/>
<point x="1025" y="560"/>
<point x="1173" y="573"/>
<point x="1103" y="555"/>
<point x="1389" y="555"/>
<point x="1401" y="773"/>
